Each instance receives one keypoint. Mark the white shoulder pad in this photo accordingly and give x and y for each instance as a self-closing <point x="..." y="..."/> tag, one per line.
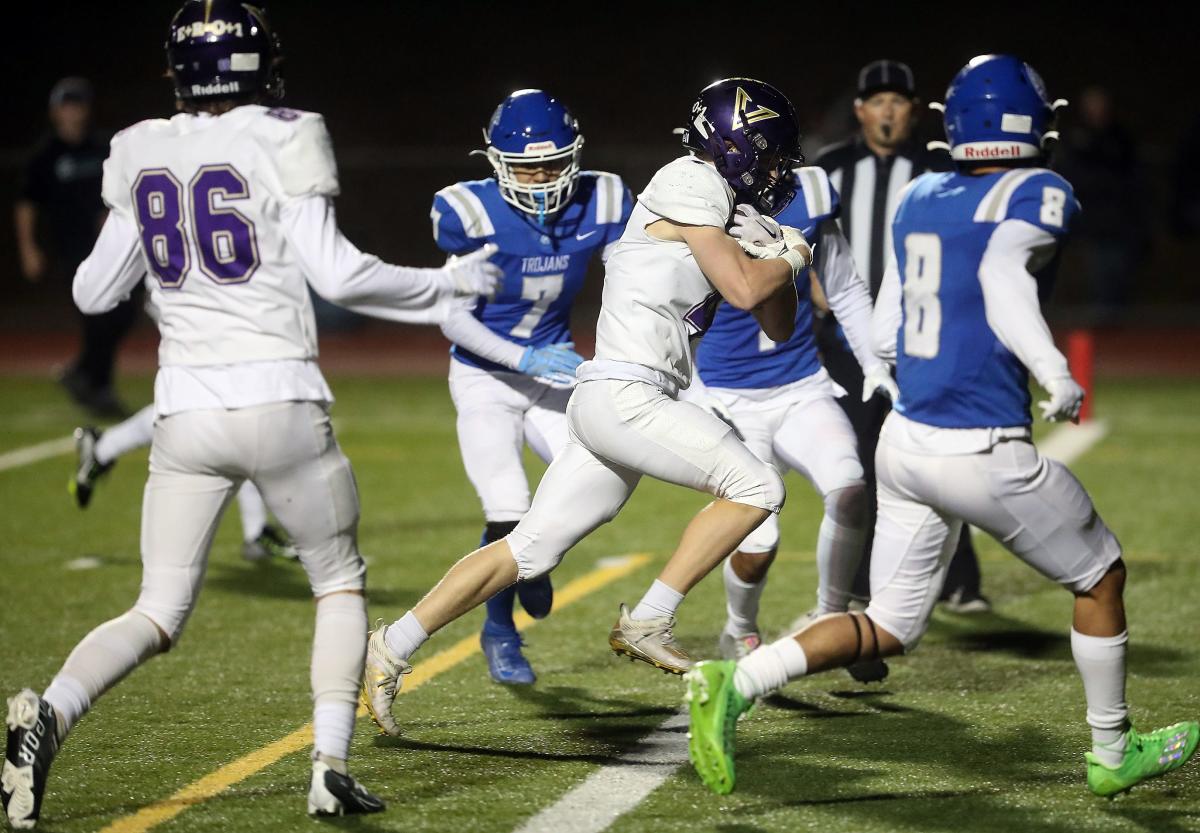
<point x="994" y="206"/>
<point x="470" y="210"/>
<point x="818" y="193"/>
<point x="689" y="191"/>
<point x="306" y="163"/>
<point x="115" y="185"/>
<point x="610" y="192"/>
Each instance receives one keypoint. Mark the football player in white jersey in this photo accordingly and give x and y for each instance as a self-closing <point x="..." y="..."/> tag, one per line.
<point x="229" y="205"/>
<point x="671" y="268"/>
<point x="958" y="311"/>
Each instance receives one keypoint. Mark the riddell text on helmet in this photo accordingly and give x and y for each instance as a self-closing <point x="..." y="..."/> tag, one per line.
<point x="991" y="152"/>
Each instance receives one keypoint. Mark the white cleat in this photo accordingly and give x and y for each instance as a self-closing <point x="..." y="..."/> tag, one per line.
<point x="650" y="640"/>
<point x="381" y="680"/>
<point x="334" y="794"/>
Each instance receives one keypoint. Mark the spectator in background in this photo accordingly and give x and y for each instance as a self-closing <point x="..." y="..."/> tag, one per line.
<point x="869" y="171"/>
<point x="1099" y="157"/>
<point x="59" y="205"/>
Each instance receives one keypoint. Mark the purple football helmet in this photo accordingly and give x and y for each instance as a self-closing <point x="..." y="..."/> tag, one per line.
<point x="223" y="49"/>
<point x="750" y="130"/>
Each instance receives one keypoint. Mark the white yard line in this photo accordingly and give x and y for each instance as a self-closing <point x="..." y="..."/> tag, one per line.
<point x="616" y="788"/>
<point x="1068" y="443"/>
<point x="36" y="453"/>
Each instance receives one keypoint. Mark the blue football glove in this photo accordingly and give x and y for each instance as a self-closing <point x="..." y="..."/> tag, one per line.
<point x="554" y="364"/>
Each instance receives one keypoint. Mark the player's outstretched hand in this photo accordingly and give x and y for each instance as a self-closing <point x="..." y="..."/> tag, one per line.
<point x="878" y="377"/>
<point x="554" y="364"/>
<point x="751" y="227"/>
<point x="473" y="274"/>
<point x="1066" y="398"/>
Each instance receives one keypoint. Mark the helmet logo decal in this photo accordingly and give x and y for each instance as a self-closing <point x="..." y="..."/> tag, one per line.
<point x="739" y="109"/>
<point x="701" y="123"/>
<point x="1016" y="123"/>
<point x="547" y="146"/>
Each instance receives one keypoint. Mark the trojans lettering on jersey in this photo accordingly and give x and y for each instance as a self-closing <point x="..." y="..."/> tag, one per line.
<point x="533" y="305"/>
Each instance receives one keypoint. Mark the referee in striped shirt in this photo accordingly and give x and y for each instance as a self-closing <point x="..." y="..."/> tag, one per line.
<point x="869" y="171"/>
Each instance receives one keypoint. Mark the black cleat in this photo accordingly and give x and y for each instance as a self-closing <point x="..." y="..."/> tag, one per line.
<point x="32" y="745"/>
<point x="89" y="470"/>
<point x="334" y="794"/>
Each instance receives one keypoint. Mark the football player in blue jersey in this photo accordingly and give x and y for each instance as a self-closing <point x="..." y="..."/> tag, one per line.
<point x="782" y="401"/>
<point x="959" y="313"/>
<point x="513" y="363"/>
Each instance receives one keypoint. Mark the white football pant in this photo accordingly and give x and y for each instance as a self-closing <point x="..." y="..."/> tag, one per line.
<point x="198" y="460"/>
<point x="498" y="413"/>
<point x="1032" y="505"/>
<point x="799" y="427"/>
<point x="620" y="430"/>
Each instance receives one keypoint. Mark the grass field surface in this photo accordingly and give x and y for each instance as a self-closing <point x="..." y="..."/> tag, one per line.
<point x="981" y="729"/>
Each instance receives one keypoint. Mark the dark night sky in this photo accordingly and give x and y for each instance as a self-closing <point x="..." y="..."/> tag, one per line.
<point x="406" y="87"/>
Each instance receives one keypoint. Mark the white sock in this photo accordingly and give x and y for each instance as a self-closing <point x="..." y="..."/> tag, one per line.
<point x="333" y="727"/>
<point x="252" y="510"/>
<point x="135" y="432"/>
<point x="1101" y="664"/>
<point x="770" y="668"/>
<point x="405" y="636"/>
<point x="98" y="663"/>
<point x="339" y="648"/>
<point x="839" y="549"/>
<point x="660" y="600"/>
<point x="741" y="601"/>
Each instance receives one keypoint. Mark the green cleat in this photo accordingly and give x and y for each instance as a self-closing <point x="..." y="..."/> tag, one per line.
<point x="714" y="706"/>
<point x="1146" y="756"/>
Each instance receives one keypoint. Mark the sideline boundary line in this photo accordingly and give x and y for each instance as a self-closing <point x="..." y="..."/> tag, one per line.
<point x="216" y="782"/>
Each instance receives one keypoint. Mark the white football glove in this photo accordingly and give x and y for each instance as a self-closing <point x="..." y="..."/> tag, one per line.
<point x="751" y="227"/>
<point x="1066" y="398"/>
<point x="878" y="377"/>
<point x="473" y="274"/>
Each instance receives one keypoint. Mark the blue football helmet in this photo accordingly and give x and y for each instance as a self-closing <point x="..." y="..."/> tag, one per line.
<point x="750" y="131"/>
<point x="532" y="127"/>
<point x="997" y="109"/>
<point x="223" y="49"/>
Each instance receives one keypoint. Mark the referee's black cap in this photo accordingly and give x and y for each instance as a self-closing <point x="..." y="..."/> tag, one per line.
<point x="886" y="76"/>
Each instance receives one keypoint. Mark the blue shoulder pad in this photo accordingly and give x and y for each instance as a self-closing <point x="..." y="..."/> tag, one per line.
<point x="460" y="220"/>
<point x="821" y="199"/>
<point x="1035" y="195"/>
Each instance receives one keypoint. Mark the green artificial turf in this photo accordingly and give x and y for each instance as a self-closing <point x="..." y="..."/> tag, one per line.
<point x="981" y="729"/>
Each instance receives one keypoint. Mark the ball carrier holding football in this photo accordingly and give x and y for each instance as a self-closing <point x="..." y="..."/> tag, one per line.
<point x="671" y="268"/>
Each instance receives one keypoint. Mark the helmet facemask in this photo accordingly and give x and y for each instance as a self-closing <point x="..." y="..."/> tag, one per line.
<point x="540" y="199"/>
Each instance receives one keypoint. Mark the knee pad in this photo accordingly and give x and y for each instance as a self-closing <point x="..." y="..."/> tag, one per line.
<point x="847" y="506"/>
<point x="536" y="552"/>
<point x="168" y="610"/>
<point x="764" y="539"/>
<point x="495" y="530"/>
<point x="761" y="486"/>
<point x="908" y="632"/>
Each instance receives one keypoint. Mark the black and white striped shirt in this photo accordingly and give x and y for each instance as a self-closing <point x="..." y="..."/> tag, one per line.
<point x="870" y="187"/>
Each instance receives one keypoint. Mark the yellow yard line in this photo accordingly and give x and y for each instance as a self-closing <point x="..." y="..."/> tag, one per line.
<point x="222" y="779"/>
